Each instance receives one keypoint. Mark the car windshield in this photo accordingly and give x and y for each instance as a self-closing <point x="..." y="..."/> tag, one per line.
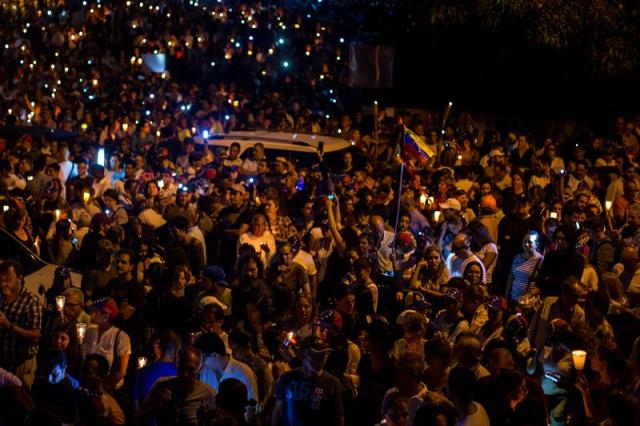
<point x="11" y="248"/>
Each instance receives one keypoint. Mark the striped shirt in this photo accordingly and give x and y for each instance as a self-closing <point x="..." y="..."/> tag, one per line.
<point x="522" y="270"/>
<point x="24" y="312"/>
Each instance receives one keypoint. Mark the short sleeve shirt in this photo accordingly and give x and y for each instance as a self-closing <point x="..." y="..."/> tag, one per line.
<point x="310" y="401"/>
<point x="113" y="342"/>
<point x="180" y="409"/>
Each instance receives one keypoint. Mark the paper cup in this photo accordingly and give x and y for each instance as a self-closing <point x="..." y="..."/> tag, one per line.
<point x="579" y="358"/>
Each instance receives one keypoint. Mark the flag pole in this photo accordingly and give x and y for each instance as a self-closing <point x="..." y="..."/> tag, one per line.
<point x="445" y="117"/>
<point x="395" y="228"/>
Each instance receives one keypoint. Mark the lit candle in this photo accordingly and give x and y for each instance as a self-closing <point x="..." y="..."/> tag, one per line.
<point x="57" y="212"/>
<point x="579" y="358"/>
<point x="160" y="183"/>
<point x="142" y="361"/>
<point x="607" y="205"/>
<point x="125" y="127"/>
<point x="436" y="215"/>
<point x="5" y="208"/>
<point x="60" y="302"/>
<point x="86" y="195"/>
<point x="81" y="329"/>
<point x="423" y="199"/>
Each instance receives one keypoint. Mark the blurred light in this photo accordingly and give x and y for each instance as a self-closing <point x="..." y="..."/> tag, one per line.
<point x="285" y="64"/>
<point x="101" y="156"/>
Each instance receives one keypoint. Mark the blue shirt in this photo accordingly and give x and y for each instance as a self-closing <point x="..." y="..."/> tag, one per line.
<point x="147" y="376"/>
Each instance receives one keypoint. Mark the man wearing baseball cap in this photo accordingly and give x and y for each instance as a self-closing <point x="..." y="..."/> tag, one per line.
<point x="490" y="215"/>
<point x="309" y="395"/>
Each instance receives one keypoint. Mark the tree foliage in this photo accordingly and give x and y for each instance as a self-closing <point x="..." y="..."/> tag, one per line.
<point x="604" y="33"/>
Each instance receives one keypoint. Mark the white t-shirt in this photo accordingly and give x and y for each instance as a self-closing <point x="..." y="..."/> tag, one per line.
<point x="456" y="265"/>
<point x="479" y="418"/>
<point x="256" y="242"/>
<point x="305" y="260"/>
<point x="104" y="344"/>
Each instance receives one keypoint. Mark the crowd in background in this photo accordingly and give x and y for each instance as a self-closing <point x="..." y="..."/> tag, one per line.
<point x="494" y="279"/>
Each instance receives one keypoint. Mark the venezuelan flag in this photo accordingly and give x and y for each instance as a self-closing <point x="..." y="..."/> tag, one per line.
<point x="415" y="147"/>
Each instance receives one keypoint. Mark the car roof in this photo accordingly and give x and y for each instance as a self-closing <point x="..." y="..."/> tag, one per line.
<point x="286" y="141"/>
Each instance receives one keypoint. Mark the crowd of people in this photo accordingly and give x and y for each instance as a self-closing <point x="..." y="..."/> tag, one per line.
<point x="493" y="278"/>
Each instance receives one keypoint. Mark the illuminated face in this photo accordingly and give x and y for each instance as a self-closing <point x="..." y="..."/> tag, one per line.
<point x="433" y="260"/>
<point x="348" y="159"/>
<point x="582" y="201"/>
<point x="529" y="245"/>
<point x="152" y="190"/>
<point x="303" y="310"/>
<point x="473" y="274"/>
<point x="60" y="341"/>
<point x="233" y="152"/>
<point x="258" y="227"/>
<point x="72" y="307"/>
<point x="287" y="255"/>
<point x="517" y="181"/>
<point x="124" y="264"/>
<point x="251" y="270"/>
<point x="271" y="207"/>
<point x="10" y="282"/>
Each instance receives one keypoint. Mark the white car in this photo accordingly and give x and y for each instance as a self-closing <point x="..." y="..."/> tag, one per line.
<point x="290" y="145"/>
<point x="38" y="274"/>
